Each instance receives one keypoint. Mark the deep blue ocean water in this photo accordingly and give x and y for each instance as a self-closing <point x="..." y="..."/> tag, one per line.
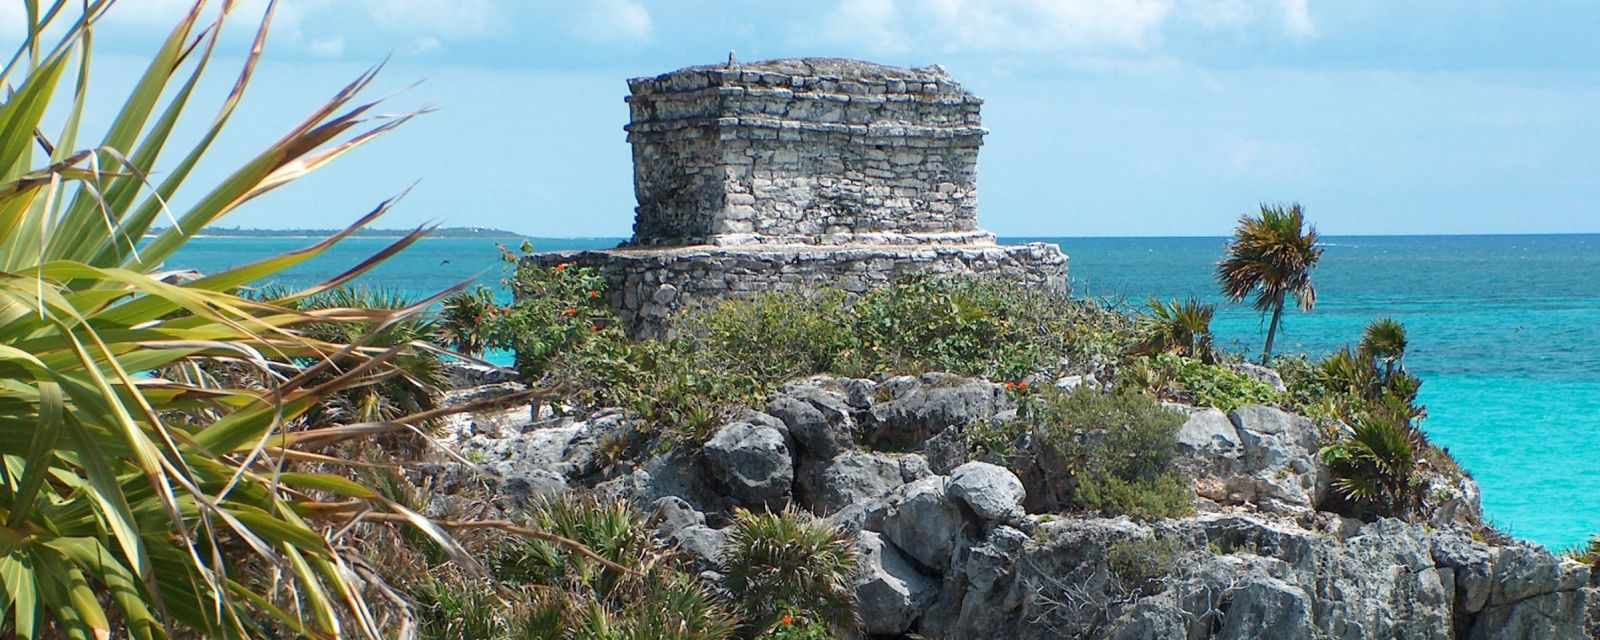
<point x="1504" y="331"/>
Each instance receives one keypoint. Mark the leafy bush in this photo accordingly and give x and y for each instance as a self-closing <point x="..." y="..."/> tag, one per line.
<point x="789" y="565"/>
<point x="776" y="336"/>
<point x="1188" y="380"/>
<point x="466" y="319"/>
<point x="1110" y="453"/>
<point x="736" y="351"/>
<point x="1139" y="564"/>
<point x="555" y="309"/>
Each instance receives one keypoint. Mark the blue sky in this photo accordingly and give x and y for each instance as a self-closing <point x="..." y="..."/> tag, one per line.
<point x="1107" y="117"/>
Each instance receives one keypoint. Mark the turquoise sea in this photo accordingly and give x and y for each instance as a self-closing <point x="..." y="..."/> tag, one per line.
<point x="1505" y="332"/>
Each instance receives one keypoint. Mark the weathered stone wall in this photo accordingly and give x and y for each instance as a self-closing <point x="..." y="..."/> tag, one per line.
<point x="647" y="286"/>
<point x="807" y="151"/>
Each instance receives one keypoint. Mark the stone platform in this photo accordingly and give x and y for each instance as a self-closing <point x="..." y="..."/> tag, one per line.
<point x="800" y="174"/>
<point x="648" y="285"/>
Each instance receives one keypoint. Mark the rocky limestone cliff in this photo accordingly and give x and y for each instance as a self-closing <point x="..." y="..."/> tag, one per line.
<point x="954" y="548"/>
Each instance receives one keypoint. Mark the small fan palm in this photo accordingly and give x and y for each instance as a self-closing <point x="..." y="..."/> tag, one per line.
<point x="1271" y="256"/>
<point x="1375" y="460"/>
<point x="1385" y="341"/>
<point x="789" y="561"/>
<point x="1180" y="327"/>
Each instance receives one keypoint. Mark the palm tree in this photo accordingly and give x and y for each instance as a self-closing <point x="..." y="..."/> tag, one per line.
<point x="1271" y="255"/>
<point x="1385" y="341"/>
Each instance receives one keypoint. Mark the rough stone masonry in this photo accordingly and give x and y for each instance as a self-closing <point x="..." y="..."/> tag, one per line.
<point x="800" y="173"/>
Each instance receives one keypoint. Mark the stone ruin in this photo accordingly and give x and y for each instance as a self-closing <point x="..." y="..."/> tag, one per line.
<point x="798" y="174"/>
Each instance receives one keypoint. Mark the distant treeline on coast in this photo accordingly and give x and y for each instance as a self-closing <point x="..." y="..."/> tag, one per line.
<point x="442" y="232"/>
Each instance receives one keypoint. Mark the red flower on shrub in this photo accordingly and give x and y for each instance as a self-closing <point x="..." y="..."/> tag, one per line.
<point x="593" y="294"/>
<point x="562" y="267"/>
<point x="569" y="312"/>
<point x="788" y="620"/>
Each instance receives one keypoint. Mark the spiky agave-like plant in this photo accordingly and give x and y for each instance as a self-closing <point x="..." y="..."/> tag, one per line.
<point x="1271" y="256"/>
<point x="1182" y="327"/>
<point x="142" y="494"/>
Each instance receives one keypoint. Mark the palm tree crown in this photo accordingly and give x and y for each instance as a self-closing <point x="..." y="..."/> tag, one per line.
<point x="1271" y="255"/>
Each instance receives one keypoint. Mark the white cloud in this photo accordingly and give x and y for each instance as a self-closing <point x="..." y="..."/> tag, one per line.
<point x="608" y="21"/>
<point x="424" y="44"/>
<point x="443" y="18"/>
<point x="896" y="26"/>
<point x="327" y="47"/>
<point x="849" y="20"/>
<point x="1297" y="18"/>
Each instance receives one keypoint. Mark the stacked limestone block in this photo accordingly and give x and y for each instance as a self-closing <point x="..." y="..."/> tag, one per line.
<point x="799" y="174"/>
<point x="828" y="151"/>
<point x="647" y="287"/>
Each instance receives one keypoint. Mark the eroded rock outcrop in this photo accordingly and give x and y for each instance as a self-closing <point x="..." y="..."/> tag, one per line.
<point x="948" y="551"/>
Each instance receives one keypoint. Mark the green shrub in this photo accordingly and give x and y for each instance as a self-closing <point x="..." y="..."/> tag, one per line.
<point x="985" y="327"/>
<point x="1140" y="564"/>
<point x="737" y="351"/>
<point x="789" y="564"/>
<point x="466" y="320"/>
<point x="555" y="309"/>
<point x="1588" y="553"/>
<point x="417" y="382"/>
<point x="1110" y="453"/>
<point x="1375" y="460"/>
<point x="1188" y="380"/>
<point x="776" y="336"/>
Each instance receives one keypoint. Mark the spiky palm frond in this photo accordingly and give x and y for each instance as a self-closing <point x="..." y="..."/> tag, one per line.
<point x="415" y="381"/>
<point x="774" y="562"/>
<point x="1271" y="255"/>
<point x="1375" y="459"/>
<point x="132" y="501"/>
<point x="1182" y="327"/>
<point x="1385" y="340"/>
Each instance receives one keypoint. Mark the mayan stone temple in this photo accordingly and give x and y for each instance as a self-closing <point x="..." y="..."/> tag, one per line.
<point x="798" y="174"/>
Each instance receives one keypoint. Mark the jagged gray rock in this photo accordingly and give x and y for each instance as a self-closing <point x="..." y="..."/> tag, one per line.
<point x="1261" y="374"/>
<point x="750" y="457"/>
<point x="921" y="520"/>
<point x="818" y="414"/>
<point x="992" y="492"/>
<point x="945" y="556"/>
<point x="702" y="543"/>
<point x="854" y="477"/>
<point x="891" y="594"/>
<point x="922" y="406"/>
<point x="1282" y="472"/>
<point x="672" y="514"/>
